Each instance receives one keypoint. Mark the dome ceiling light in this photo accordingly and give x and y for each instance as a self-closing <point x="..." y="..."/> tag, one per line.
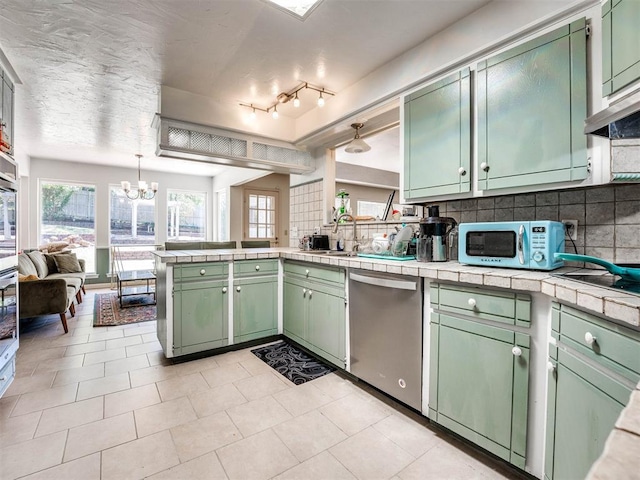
<point x="357" y="145"/>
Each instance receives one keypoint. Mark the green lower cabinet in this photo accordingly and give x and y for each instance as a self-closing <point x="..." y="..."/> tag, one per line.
<point x="584" y="416"/>
<point x="594" y="368"/>
<point x="255" y="308"/>
<point x="326" y="326"/>
<point x="295" y="311"/>
<point x="481" y="382"/>
<point x="200" y="316"/>
<point x="314" y="315"/>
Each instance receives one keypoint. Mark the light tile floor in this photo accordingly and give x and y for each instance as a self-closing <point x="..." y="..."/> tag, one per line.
<point x="103" y="403"/>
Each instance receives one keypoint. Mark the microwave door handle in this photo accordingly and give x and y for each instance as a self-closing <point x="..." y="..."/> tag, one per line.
<point x="521" y="244"/>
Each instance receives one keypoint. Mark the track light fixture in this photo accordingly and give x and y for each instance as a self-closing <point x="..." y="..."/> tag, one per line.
<point x="284" y="97"/>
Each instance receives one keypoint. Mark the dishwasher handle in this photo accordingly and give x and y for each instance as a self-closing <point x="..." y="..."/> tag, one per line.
<point x="384" y="282"/>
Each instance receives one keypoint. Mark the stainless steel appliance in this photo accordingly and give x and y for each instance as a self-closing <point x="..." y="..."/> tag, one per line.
<point x="8" y="273"/>
<point x="434" y="229"/>
<point x="385" y="321"/>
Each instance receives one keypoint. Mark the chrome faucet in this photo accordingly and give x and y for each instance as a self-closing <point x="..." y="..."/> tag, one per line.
<point x="356" y="245"/>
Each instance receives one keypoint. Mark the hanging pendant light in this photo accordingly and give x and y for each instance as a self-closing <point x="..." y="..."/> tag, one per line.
<point x="357" y="145"/>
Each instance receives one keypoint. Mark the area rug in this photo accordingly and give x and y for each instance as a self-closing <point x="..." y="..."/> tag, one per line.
<point x="292" y="363"/>
<point x="107" y="311"/>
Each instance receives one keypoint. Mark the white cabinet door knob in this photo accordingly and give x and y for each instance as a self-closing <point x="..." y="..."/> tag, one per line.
<point x="310" y="293"/>
<point x="224" y="289"/>
<point x="550" y="367"/>
<point x="304" y="292"/>
<point x="257" y="267"/>
<point x="203" y="271"/>
<point x="462" y="171"/>
<point x="589" y="338"/>
<point x="484" y="166"/>
<point x="472" y="302"/>
<point x="238" y="289"/>
<point x="307" y="272"/>
<point x="517" y="351"/>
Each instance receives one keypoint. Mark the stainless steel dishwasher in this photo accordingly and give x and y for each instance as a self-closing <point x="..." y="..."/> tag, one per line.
<point x="385" y="321"/>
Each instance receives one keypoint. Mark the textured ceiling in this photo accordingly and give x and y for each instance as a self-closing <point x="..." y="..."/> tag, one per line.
<point x="92" y="69"/>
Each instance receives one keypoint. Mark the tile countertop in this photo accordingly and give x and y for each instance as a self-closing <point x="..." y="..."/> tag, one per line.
<point x="620" y="306"/>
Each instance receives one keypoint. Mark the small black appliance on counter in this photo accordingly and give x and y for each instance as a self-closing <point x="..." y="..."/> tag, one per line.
<point x="320" y="242"/>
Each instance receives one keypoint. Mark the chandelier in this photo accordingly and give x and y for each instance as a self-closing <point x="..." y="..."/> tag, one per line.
<point x="142" y="192"/>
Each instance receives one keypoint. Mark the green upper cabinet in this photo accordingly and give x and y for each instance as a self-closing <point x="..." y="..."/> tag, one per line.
<point x="437" y="138"/>
<point x="532" y="102"/>
<point x="620" y="44"/>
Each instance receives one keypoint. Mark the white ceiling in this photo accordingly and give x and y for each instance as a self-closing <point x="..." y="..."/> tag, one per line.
<point x="92" y="70"/>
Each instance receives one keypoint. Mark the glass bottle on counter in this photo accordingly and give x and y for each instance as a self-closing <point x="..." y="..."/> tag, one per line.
<point x="453" y="243"/>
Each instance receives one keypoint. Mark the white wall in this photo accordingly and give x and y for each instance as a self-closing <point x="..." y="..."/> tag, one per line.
<point x="102" y="177"/>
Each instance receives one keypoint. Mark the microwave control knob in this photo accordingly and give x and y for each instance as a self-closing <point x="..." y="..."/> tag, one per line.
<point x="538" y="256"/>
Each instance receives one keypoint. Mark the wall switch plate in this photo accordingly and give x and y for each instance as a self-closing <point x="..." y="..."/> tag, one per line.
<point x="570" y="229"/>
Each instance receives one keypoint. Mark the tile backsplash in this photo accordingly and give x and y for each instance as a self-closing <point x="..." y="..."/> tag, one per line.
<point x="305" y="210"/>
<point x="608" y="216"/>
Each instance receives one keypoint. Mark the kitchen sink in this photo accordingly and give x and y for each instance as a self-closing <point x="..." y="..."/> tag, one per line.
<point x="336" y="253"/>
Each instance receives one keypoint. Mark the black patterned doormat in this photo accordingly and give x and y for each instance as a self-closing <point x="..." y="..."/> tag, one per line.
<point x="292" y="363"/>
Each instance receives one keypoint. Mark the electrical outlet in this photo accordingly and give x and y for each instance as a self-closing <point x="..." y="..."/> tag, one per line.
<point x="570" y="229"/>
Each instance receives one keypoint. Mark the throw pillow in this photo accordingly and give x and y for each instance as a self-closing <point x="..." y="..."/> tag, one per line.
<point x="40" y="263"/>
<point x="51" y="261"/>
<point x="25" y="265"/>
<point x="67" y="263"/>
<point x="27" y="278"/>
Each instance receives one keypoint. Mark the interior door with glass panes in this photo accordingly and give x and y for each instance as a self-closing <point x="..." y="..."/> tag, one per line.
<point x="261" y="216"/>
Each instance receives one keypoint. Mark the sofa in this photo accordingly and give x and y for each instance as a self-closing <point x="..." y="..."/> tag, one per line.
<point x="49" y="283"/>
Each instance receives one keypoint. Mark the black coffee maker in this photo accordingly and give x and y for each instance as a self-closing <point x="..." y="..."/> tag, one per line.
<point x="434" y="229"/>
